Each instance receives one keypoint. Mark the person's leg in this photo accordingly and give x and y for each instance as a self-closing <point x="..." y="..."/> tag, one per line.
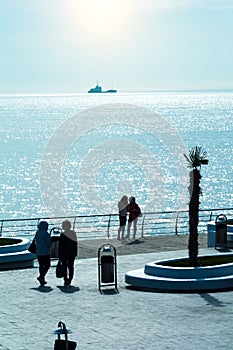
<point x="128" y="229"/>
<point x="123" y="223"/>
<point x="134" y="228"/>
<point x="123" y="232"/>
<point x="64" y="264"/>
<point x="40" y="278"/>
<point x="70" y="262"/>
<point x="44" y="265"/>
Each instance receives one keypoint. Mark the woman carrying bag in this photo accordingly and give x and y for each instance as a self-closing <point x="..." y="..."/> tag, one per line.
<point x="68" y="250"/>
<point x="43" y="245"/>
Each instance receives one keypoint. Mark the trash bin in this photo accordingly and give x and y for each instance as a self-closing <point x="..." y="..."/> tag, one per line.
<point x="63" y="344"/>
<point x="221" y="232"/>
<point x="107" y="273"/>
<point x="55" y="237"/>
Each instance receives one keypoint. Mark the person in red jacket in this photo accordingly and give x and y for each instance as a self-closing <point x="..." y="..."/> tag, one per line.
<point x="134" y="212"/>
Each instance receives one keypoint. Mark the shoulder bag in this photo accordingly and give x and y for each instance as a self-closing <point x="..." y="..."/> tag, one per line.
<point x="32" y="246"/>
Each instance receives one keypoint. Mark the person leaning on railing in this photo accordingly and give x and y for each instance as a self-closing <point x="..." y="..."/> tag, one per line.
<point x="122" y="207"/>
<point x="134" y="213"/>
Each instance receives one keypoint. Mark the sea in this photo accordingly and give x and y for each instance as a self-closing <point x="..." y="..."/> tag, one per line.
<point x="78" y="153"/>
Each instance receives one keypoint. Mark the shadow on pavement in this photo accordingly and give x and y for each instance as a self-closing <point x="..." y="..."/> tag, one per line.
<point x="43" y="289"/>
<point x="109" y="291"/>
<point x="68" y="289"/>
<point x="211" y="300"/>
<point x="134" y="242"/>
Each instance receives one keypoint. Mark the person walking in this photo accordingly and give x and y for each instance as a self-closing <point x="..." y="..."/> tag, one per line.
<point x="43" y="245"/>
<point x="122" y="207"/>
<point x="134" y="212"/>
<point x="68" y="250"/>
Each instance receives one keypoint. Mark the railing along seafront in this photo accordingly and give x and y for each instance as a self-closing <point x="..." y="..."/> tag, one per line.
<point x="106" y="226"/>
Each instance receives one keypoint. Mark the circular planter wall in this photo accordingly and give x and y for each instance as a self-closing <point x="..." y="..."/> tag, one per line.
<point x="159" y="276"/>
<point x="16" y="255"/>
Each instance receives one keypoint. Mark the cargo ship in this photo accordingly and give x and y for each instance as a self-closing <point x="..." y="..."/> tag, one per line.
<point x="98" y="90"/>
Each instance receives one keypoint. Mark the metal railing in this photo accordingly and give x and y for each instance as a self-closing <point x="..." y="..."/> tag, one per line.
<point x="106" y="226"/>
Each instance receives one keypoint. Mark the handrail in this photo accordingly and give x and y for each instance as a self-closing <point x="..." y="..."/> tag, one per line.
<point x="177" y="218"/>
<point x="106" y="225"/>
<point x="143" y="220"/>
<point x="109" y="224"/>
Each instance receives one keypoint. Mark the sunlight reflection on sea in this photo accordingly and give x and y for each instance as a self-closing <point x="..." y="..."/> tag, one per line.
<point x="28" y="122"/>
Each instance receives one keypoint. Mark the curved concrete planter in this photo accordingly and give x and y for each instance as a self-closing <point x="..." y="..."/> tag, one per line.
<point x="15" y="256"/>
<point x="159" y="276"/>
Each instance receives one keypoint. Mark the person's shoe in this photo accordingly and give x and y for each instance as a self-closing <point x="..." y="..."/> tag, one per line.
<point x="41" y="280"/>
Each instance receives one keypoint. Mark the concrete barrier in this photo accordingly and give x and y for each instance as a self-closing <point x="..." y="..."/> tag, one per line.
<point x="159" y="276"/>
<point x="14" y="256"/>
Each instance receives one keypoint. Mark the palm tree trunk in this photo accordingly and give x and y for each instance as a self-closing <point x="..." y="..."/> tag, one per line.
<point x="195" y="191"/>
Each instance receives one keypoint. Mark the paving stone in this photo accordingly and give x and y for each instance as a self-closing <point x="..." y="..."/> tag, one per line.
<point x="129" y="320"/>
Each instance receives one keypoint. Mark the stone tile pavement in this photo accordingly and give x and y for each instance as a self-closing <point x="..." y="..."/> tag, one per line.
<point x="129" y="320"/>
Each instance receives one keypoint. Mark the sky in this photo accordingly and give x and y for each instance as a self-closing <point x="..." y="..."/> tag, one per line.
<point x="131" y="45"/>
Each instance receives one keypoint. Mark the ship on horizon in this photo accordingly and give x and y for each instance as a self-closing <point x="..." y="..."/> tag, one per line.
<point x="98" y="90"/>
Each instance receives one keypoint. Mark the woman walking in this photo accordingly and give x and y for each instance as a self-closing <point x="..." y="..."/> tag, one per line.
<point x="122" y="207"/>
<point x="43" y="245"/>
<point x="68" y="250"/>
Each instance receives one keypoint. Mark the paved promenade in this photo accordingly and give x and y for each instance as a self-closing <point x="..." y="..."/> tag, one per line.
<point x="129" y="320"/>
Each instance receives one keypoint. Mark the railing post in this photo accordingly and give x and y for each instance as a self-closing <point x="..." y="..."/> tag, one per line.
<point x="177" y="218"/>
<point x="1" y="228"/>
<point x="143" y="225"/>
<point x="109" y="222"/>
<point x="74" y="223"/>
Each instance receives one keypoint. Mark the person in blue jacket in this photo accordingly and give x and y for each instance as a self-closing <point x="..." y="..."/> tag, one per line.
<point x="43" y="245"/>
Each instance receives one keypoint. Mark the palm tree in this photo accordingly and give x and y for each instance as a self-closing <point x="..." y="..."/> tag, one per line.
<point x="196" y="158"/>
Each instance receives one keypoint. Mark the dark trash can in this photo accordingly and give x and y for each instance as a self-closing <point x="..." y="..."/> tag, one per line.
<point x="55" y="237"/>
<point x="221" y="232"/>
<point x="107" y="273"/>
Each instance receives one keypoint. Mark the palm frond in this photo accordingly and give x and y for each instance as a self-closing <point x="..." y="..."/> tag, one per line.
<point x="197" y="157"/>
<point x="189" y="161"/>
